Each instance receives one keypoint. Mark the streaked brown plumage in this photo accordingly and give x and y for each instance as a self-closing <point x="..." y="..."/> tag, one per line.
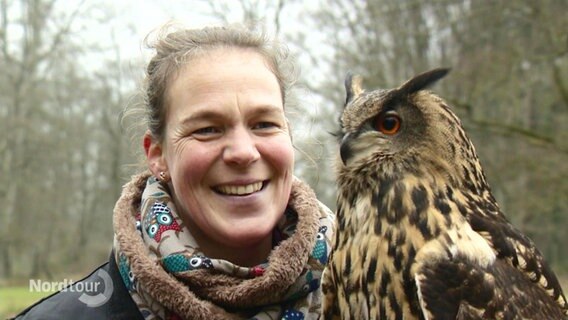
<point x="419" y="234"/>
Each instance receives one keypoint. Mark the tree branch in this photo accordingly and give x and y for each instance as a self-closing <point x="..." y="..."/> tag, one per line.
<point x="560" y="84"/>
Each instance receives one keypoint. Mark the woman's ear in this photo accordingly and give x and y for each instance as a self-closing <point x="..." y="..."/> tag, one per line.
<point x="155" y="156"/>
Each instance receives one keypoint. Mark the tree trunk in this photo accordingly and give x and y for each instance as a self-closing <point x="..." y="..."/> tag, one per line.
<point x="6" y="261"/>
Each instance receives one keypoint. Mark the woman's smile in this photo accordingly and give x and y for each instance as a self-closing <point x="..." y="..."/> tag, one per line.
<point x="239" y="189"/>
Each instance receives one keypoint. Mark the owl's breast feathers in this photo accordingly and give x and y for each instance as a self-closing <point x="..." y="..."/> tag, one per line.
<point x="412" y="247"/>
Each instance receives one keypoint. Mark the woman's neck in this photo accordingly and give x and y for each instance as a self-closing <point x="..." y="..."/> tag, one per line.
<point x="248" y="256"/>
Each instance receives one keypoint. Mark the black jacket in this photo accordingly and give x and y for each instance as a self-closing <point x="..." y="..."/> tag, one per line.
<point x="101" y="295"/>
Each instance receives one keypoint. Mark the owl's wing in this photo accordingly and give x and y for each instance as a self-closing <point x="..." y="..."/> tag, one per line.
<point x="517" y="250"/>
<point x="457" y="287"/>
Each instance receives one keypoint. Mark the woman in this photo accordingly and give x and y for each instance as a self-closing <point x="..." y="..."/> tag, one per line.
<point x="218" y="227"/>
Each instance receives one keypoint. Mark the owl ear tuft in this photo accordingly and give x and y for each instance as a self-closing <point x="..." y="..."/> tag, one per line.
<point x="423" y="80"/>
<point x="353" y="87"/>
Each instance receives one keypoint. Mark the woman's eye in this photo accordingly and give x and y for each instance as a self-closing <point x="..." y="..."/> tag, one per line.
<point x="265" y="125"/>
<point x="207" y="131"/>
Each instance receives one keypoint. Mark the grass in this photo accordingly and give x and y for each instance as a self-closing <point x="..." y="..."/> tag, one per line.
<point x="15" y="299"/>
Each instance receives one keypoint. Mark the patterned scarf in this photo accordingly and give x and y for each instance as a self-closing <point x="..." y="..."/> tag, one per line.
<point x="168" y="277"/>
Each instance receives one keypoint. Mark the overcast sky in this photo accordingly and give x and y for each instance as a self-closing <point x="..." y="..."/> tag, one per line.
<point x="136" y="19"/>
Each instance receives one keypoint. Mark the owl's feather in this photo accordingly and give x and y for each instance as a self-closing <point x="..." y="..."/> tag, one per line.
<point x="420" y="236"/>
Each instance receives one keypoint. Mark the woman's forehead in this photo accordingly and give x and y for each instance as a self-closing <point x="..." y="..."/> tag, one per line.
<point x="236" y="79"/>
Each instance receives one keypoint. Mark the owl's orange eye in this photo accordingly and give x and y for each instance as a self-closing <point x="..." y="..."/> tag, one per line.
<point x="388" y="123"/>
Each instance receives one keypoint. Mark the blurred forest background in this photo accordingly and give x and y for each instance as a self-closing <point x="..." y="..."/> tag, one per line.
<point x="65" y="81"/>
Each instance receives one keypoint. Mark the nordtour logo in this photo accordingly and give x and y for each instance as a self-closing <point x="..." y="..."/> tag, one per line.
<point x="94" y="293"/>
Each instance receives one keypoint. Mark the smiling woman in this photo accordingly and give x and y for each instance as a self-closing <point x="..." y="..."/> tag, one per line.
<point x="227" y="153"/>
<point x="217" y="227"/>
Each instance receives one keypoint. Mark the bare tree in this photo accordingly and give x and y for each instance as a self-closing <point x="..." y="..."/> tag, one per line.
<point x="28" y="57"/>
<point x="62" y="160"/>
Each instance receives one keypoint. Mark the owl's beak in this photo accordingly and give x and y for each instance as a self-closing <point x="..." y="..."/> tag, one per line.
<point x="345" y="150"/>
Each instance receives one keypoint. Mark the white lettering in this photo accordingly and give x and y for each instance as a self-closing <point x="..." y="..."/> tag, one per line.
<point x="34" y="285"/>
<point x="46" y="286"/>
<point x="90" y="290"/>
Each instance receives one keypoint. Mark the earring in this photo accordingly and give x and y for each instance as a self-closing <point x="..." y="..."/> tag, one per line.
<point x="163" y="176"/>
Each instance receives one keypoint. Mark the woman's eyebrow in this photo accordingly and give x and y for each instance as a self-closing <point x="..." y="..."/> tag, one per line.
<point x="268" y="109"/>
<point x="202" y="115"/>
<point x="208" y="115"/>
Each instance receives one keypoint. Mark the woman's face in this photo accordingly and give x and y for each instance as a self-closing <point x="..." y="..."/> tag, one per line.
<point x="227" y="147"/>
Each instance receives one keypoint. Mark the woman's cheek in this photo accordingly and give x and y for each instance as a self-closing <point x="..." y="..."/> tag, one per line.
<point x="281" y="153"/>
<point x="192" y="163"/>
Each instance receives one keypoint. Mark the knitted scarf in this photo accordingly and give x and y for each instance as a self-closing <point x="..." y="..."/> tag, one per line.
<point x="168" y="277"/>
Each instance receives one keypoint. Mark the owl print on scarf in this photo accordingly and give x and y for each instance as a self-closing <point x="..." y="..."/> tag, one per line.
<point x="159" y="220"/>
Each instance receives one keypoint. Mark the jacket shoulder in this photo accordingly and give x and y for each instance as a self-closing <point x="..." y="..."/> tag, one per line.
<point x="100" y="295"/>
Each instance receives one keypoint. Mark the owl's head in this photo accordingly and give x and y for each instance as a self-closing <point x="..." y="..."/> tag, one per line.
<point x="405" y="130"/>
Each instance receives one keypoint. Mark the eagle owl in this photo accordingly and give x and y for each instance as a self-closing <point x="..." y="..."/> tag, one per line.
<point x="419" y="234"/>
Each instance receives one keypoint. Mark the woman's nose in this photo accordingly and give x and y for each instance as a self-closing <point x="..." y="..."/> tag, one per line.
<point x="241" y="148"/>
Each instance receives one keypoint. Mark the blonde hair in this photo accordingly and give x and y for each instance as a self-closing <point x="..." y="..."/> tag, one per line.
<point x="173" y="49"/>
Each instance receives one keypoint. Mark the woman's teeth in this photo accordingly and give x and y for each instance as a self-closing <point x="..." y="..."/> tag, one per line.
<point x="240" y="190"/>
